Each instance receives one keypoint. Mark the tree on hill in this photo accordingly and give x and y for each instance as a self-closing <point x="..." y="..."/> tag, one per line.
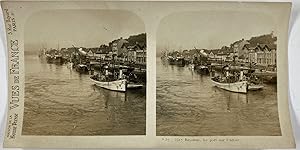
<point x="132" y="40"/>
<point x="268" y="39"/>
<point x="140" y="38"/>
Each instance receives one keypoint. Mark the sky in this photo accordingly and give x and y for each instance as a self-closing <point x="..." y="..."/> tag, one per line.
<point x="210" y="30"/>
<point x="86" y="28"/>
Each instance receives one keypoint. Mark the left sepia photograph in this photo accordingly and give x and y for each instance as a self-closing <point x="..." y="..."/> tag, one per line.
<point x="85" y="73"/>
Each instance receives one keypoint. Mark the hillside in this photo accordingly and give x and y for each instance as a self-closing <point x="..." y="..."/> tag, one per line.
<point x="268" y="39"/>
<point x="140" y="38"/>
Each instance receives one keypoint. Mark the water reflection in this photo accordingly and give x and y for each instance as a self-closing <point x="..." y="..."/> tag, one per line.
<point x="188" y="104"/>
<point x="59" y="101"/>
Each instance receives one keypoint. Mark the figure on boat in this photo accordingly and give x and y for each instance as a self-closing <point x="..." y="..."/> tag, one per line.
<point x="231" y="80"/>
<point x="116" y="79"/>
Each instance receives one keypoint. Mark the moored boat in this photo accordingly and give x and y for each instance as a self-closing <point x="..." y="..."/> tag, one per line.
<point x="82" y="68"/>
<point x="267" y="76"/>
<point x="254" y="87"/>
<point x="254" y="83"/>
<point x="231" y="82"/>
<point x="202" y="69"/>
<point x="179" y="61"/>
<point x="117" y="78"/>
<point x="133" y="80"/>
<point x="239" y="87"/>
<point x="132" y="85"/>
<point x="54" y="59"/>
<point x="114" y="85"/>
<point x="110" y="80"/>
<point x="171" y="60"/>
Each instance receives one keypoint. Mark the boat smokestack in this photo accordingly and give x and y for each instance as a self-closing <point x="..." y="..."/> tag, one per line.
<point x="241" y="75"/>
<point x="227" y="73"/>
<point x="121" y="74"/>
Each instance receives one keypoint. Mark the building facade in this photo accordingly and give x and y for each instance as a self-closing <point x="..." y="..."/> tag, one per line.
<point x="238" y="48"/>
<point x="119" y="47"/>
<point x="141" y="56"/>
<point x="263" y="55"/>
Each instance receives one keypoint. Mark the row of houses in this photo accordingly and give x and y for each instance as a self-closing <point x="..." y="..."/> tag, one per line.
<point x="261" y="54"/>
<point x="121" y="51"/>
<point x="240" y="51"/>
<point x="246" y="52"/>
<point x="130" y="53"/>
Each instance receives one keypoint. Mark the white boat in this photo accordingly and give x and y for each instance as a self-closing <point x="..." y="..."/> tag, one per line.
<point x="132" y="85"/>
<point x="117" y="85"/>
<point x="239" y="87"/>
<point x="254" y="87"/>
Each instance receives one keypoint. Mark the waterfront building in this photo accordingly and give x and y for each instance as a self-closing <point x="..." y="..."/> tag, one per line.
<point x="200" y="56"/>
<point x="98" y="53"/>
<point x="194" y="54"/>
<point x="230" y="56"/>
<point x="211" y="55"/>
<point x="90" y="53"/>
<point x="141" y="55"/>
<point x="132" y="52"/>
<point x="263" y="55"/>
<point x="119" y="47"/>
<point x="266" y="56"/>
<point x="222" y="56"/>
<point x="252" y="58"/>
<point x="238" y="48"/>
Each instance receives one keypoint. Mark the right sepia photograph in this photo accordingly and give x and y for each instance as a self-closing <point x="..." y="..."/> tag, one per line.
<point x="216" y="74"/>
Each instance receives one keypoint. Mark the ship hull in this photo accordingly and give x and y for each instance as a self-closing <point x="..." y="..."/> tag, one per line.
<point x="238" y="87"/>
<point x="54" y="60"/>
<point x="134" y="86"/>
<point x="118" y="85"/>
<point x="202" y="70"/>
<point x="255" y="87"/>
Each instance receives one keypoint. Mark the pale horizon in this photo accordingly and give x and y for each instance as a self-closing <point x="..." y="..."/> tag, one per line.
<point x="81" y="28"/>
<point x="210" y="30"/>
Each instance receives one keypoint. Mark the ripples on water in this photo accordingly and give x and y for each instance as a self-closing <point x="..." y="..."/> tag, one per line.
<point x="59" y="101"/>
<point x="188" y="104"/>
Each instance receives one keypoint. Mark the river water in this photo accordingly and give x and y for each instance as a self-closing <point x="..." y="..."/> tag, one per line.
<point x="189" y="105"/>
<point x="60" y="101"/>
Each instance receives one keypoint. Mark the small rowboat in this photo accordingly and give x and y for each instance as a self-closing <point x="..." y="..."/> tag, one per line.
<point x="253" y="87"/>
<point x="132" y="85"/>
